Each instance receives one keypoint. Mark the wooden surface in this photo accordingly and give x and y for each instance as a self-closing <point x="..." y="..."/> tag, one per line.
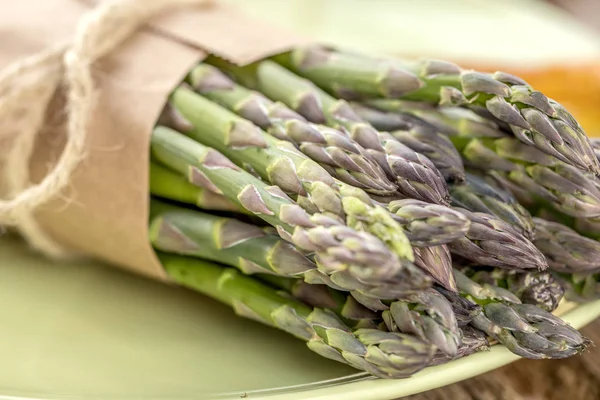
<point x="575" y="378"/>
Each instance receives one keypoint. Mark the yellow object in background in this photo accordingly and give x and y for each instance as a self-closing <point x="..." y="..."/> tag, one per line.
<point x="577" y="87"/>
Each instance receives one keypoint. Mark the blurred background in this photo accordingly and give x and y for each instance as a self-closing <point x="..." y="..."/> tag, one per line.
<point x="553" y="44"/>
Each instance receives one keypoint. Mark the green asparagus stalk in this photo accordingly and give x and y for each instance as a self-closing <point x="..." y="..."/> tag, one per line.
<point x="169" y="185"/>
<point x="350" y="75"/>
<point x="247" y="247"/>
<point x="420" y="136"/>
<point x="524" y="329"/>
<point x="332" y="148"/>
<point x="566" y="250"/>
<point x="533" y="118"/>
<point x="538" y="288"/>
<point x="347" y="258"/>
<point x="427" y="315"/>
<point x="383" y="354"/>
<point x="478" y="196"/>
<point x="428" y="224"/>
<point x="413" y="173"/>
<point x="493" y="242"/>
<point x="281" y="165"/>
<point x="437" y="262"/>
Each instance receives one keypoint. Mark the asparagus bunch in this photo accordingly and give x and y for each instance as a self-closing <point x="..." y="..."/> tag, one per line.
<point x="345" y="258"/>
<point x="280" y="164"/>
<point x="524" y="329"/>
<point x="379" y="249"/>
<point x="413" y="173"/>
<point x="532" y="118"/>
<point x="383" y="354"/>
<point x="332" y="148"/>
<point x="531" y="175"/>
<point x="253" y="250"/>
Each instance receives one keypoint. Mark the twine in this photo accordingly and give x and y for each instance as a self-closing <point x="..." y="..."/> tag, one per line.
<point x="26" y="88"/>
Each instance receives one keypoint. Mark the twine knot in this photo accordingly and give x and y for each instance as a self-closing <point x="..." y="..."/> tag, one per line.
<point x="26" y="89"/>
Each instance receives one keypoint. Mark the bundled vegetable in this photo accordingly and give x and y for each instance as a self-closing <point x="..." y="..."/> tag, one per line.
<point x="393" y="214"/>
<point x="356" y="227"/>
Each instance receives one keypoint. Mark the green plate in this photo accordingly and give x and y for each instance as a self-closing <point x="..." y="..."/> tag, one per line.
<point x="88" y="331"/>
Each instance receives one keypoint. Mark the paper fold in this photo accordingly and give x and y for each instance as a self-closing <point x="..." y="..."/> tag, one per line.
<point x="104" y="211"/>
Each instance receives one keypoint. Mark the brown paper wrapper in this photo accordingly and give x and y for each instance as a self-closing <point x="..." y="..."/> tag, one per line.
<point x="104" y="211"/>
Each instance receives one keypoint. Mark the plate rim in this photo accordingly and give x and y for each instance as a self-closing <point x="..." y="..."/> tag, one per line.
<point x="370" y="388"/>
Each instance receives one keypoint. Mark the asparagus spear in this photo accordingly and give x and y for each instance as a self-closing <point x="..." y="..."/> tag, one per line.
<point x="247" y="247"/>
<point x="478" y="196"/>
<point x="437" y="262"/>
<point x="347" y="258"/>
<point x="524" y="329"/>
<point x="277" y="163"/>
<point x="565" y="249"/>
<point x="427" y="315"/>
<point x="538" y="288"/>
<point x="589" y="227"/>
<point x="533" y="118"/>
<point x="332" y="148"/>
<point x="419" y="135"/>
<point x="493" y="242"/>
<point x="168" y="184"/>
<point x="428" y="224"/>
<point x="413" y="173"/>
<point x="383" y="354"/>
